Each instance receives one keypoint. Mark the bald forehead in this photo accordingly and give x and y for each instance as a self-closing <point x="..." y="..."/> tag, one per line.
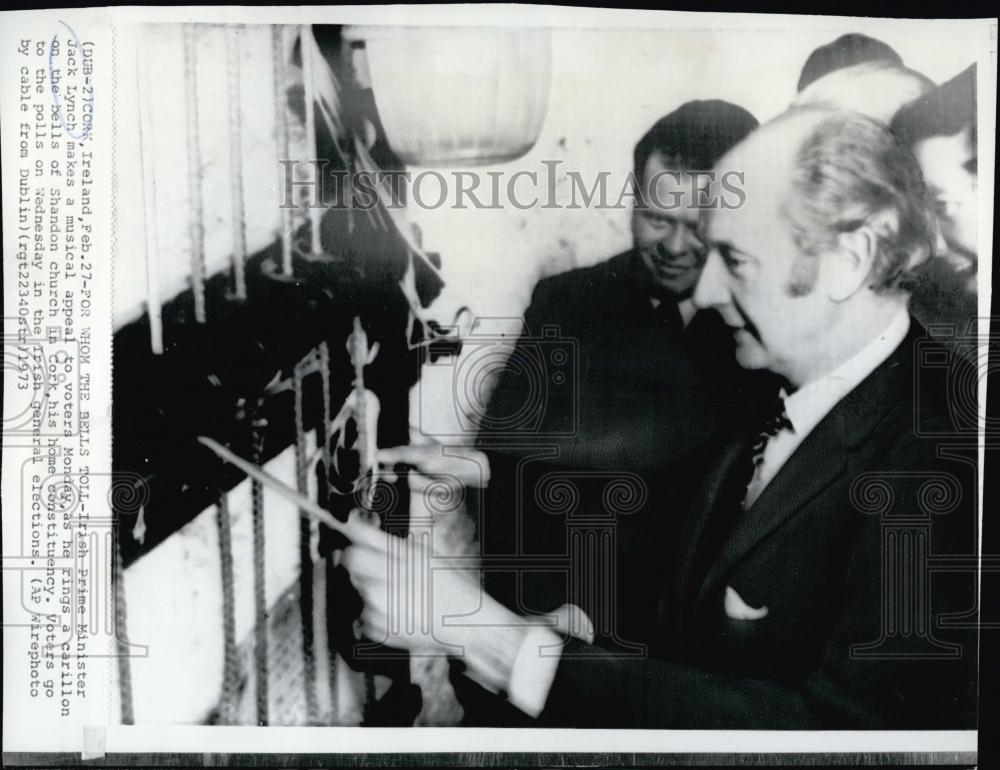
<point x="770" y="151"/>
<point x="764" y="162"/>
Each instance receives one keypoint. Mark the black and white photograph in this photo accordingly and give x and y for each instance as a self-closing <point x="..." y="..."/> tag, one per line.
<point x="616" y="379"/>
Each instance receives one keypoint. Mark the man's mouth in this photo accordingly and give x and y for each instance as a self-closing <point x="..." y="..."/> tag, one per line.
<point x="673" y="265"/>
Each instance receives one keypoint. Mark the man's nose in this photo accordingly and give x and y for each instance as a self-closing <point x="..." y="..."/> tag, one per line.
<point x="677" y="241"/>
<point x="712" y="289"/>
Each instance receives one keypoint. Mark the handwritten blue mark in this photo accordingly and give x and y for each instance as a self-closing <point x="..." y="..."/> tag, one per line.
<point x="87" y="124"/>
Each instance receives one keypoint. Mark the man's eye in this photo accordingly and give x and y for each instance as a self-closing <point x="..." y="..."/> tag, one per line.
<point x="657" y="220"/>
<point x="733" y="260"/>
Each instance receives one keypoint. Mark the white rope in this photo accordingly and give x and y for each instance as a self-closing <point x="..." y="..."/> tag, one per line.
<point x="281" y="142"/>
<point x="146" y="145"/>
<point x="196" y="226"/>
<point x="236" y="161"/>
<point x="306" y="49"/>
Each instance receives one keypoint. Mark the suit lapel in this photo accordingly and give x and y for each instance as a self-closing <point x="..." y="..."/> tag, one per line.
<point x="705" y="507"/>
<point x="819" y="460"/>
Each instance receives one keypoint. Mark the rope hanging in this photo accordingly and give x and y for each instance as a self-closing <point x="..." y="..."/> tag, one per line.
<point x="121" y="634"/>
<point x="259" y="585"/>
<point x="309" y="87"/>
<point x="236" y="161"/>
<point x="312" y="363"/>
<point x="146" y="155"/>
<point x="196" y="226"/>
<point x="323" y="432"/>
<point x="231" y="666"/>
<point x="323" y="438"/>
<point x="281" y="141"/>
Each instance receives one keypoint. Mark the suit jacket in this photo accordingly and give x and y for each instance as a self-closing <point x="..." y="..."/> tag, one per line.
<point x="854" y="549"/>
<point x="638" y="390"/>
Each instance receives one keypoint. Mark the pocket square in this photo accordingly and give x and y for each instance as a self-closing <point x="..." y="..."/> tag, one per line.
<point x="571" y="620"/>
<point x="737" y="609"/>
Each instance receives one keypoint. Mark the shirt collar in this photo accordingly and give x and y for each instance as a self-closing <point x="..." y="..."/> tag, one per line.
<point x="688" y="309"/>
<point x="811" y="403"/>
<point x="685" y="307"/>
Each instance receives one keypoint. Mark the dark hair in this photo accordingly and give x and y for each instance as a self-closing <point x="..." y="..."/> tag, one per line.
<point x="845" y="51"/>
<point x="945" y="111"/>
<point x="850" y="170"/>
<point x="695" y="135"/>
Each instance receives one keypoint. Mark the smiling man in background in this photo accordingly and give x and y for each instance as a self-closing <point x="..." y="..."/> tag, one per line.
<point x="643" y="352"/>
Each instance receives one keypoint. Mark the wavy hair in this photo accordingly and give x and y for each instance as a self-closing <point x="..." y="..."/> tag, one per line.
<point x="851" y="171"/>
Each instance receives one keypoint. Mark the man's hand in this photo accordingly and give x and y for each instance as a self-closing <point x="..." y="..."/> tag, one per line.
<point x="429" y="605"/>
<point x="437" y="463"/>
<point x="406" y="604"/>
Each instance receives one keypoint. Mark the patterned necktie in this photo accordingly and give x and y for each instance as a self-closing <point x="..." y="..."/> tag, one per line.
<point x="776" y="422"/>
<point x="730" y="505"/>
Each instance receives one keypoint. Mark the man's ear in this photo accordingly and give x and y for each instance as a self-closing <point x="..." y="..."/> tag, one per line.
<point x="850" y="262"/>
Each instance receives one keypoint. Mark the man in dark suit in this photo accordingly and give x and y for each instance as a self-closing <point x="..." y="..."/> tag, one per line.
<point x="653" y="380"/>
<point x="805" y="595"/>
<point x="821" y="578"/>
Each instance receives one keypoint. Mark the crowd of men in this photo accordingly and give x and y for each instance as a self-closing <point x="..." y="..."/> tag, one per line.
<point x="763" y="444"/>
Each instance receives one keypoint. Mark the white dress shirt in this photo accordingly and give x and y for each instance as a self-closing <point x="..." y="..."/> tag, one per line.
<point x="808" y="405"/>
<point x="537" y="659"/>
